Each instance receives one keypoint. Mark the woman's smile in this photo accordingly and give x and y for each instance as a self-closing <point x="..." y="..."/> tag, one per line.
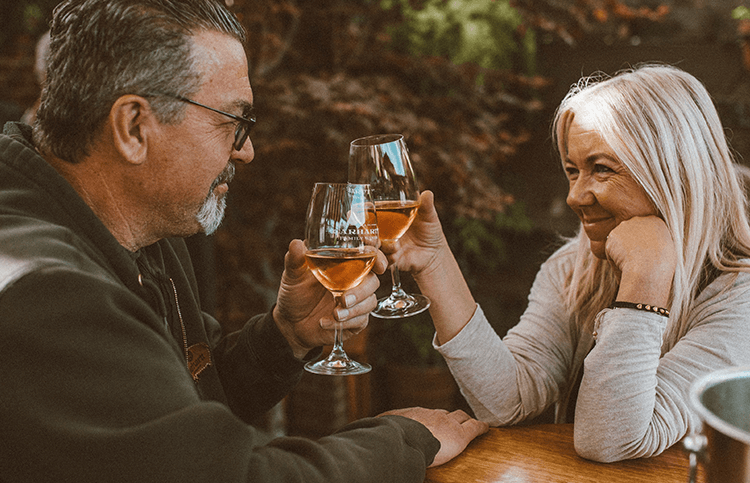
<point x="602" y="192"/>
<point x="598" y="228"/>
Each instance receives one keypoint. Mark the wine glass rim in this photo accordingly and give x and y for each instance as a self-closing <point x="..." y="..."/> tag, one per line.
<point x="325" y="183"/>
<point x="376" y="139"/>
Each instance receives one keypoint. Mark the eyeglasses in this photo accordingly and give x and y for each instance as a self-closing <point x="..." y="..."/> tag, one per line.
<point x="244" y="124"/>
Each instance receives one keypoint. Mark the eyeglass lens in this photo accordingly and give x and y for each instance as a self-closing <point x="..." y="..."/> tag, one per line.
<point x="240" y="135"/>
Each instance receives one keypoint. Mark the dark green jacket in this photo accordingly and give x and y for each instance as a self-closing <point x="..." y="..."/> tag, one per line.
<point x="95" y="344"/>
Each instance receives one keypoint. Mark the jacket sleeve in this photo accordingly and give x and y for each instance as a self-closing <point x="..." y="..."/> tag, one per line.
<point x="92" y="391"/>
<point x="256" y="366"/>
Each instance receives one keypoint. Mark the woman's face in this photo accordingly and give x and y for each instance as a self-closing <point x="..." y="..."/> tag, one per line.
<point x="601" y="191"/>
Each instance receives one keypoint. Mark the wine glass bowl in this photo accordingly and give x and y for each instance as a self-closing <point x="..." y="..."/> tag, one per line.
<point x="338" y="270"/>
<point x="394" y="218"/>
<point x="341" y="237"/>
<point x="383" y="162"/>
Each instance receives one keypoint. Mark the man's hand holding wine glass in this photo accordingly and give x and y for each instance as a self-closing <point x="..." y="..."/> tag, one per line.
<point x="305" y="310"/>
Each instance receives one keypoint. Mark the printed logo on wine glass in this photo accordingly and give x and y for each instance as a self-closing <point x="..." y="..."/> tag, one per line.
<point x="354" y="235"/>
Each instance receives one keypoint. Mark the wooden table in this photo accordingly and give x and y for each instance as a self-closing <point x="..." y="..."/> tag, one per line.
<point x="544" y="453"/>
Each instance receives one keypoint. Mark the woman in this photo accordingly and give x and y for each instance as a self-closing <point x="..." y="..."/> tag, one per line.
<point x="652" y="293"/>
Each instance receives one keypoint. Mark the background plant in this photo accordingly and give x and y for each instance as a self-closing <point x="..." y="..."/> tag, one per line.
<point x="489" y="33"/>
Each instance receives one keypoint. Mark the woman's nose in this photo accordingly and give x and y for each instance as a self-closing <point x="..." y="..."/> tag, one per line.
<point x="580" y="193"/>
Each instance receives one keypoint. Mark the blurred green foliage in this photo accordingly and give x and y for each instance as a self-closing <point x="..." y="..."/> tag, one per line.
<point x="492" y="35"/>
<point x="481" y="242"/>
<point x="489" y="33"/>
<point x="406" y="342"/>
<point x="741" y="13"/>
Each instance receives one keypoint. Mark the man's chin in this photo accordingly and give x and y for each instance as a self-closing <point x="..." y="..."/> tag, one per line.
<point x="211" y="214"/>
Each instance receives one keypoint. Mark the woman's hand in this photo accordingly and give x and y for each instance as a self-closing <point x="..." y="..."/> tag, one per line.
<point x="305" y="310"/>
<point x="420" y="247"/>
<point x="643" y="253"/>
<point x="424" y="252"/>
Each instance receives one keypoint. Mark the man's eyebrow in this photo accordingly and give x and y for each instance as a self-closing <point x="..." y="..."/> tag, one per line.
<point x="245" y="108"/>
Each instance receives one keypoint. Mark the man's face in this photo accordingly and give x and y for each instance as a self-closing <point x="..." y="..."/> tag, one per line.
<point x="196" y="156"/>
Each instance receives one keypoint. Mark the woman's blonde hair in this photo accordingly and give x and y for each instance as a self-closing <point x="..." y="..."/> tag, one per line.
<point x="661" y="124"/>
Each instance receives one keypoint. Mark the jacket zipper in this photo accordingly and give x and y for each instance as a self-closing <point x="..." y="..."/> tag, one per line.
<point x="182" y="325"/>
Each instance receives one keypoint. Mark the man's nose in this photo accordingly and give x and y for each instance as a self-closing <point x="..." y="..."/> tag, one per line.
<point x="246" y="154"/>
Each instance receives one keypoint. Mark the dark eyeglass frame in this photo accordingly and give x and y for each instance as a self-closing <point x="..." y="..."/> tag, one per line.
<point x="244" y="124"/>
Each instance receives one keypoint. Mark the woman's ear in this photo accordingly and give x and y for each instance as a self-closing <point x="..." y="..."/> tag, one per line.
<point x="132" y="120"/>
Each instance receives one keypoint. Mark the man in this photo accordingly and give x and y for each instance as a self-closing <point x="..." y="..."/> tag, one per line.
<point x="110" y="370"/>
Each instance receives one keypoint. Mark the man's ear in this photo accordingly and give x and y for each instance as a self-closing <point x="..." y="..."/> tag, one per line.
<point x="132" y="120"/>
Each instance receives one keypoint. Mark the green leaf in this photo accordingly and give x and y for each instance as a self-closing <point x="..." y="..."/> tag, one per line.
<point x="741" y="13"/>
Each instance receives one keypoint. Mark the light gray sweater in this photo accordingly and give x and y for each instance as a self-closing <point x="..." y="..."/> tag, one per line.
<point x="633" y="400"/>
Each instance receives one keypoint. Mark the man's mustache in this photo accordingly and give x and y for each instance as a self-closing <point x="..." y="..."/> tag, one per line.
<point x="225" y="176"/>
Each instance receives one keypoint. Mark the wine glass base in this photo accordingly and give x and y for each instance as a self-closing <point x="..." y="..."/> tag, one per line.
<point x="399" y="307"/>
<point x="337" y="367"/>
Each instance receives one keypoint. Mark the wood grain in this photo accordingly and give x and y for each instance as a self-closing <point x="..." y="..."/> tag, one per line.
<point x="545" y="453"/>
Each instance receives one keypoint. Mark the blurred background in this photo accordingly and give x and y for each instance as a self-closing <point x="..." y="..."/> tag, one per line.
<point x="472" y="84"/>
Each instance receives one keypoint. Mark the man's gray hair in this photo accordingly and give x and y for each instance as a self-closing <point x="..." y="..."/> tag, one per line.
<point x="101" y="50"/>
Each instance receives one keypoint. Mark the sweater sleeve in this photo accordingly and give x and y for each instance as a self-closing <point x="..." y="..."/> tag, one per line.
<point x="507" y="381"/>
<point x="93" y="390"/>
<point x="633" y="400"/>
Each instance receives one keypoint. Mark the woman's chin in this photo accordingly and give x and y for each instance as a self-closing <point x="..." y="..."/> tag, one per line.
<point x="599" y="249"/>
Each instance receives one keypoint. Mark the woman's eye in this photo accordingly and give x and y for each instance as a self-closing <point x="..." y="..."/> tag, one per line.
<point x="601" y="168"/>
<point x="571" y="173"/>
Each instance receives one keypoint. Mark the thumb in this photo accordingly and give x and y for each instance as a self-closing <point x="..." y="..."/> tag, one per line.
<point x="294" y="261"/>
<point x="474" y="427"/>
<point x="427" y="206"/>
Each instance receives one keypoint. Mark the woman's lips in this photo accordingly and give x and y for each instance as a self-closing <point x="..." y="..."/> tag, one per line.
<point x="598" y="228"/>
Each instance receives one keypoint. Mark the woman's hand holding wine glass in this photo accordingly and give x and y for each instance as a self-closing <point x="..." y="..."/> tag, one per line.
<point x="422" y="246"/>
<point x="383" y="162"/>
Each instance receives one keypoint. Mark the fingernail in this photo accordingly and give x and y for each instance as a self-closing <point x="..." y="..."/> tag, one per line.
<point x="350" y="300"/>
<point x="342" y="314"/>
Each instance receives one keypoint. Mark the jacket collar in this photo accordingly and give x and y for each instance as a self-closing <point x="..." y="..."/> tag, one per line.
<point x="37" y="190"/>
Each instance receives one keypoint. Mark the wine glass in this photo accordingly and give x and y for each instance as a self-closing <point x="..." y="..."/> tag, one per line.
<point x="383" y="162"/>
<point x="341" y="236"/>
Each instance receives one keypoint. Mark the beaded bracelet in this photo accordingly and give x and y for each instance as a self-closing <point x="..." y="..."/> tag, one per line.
<point x="646" y="307"/>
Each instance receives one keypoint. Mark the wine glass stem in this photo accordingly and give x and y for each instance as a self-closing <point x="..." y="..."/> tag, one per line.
<point x="338" y="341"/>
<point x="337" y="352"/>
<point x="396" y="282"/>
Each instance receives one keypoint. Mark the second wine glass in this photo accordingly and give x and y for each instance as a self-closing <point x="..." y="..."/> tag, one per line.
<point x="341" y="236"/>
<point x="383" y="162"/>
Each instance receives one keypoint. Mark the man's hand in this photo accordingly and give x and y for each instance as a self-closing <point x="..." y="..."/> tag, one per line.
<point x="305" y="310"/>
<point x="454" y="430"/>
